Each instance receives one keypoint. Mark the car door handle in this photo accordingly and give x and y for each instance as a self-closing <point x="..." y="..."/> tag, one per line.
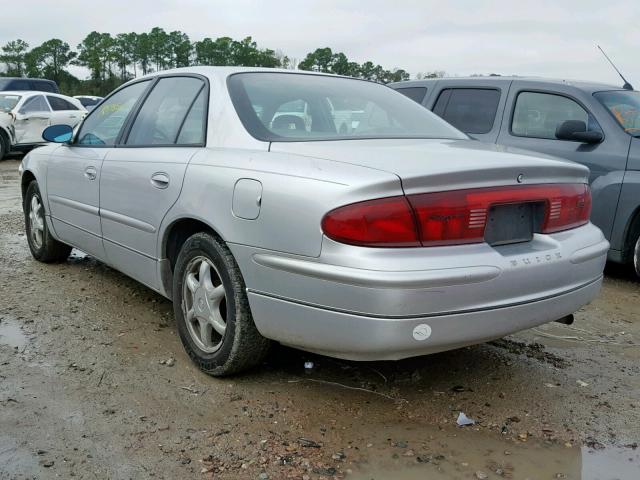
<point x="91" y="173"/>
<point x="160" y="180"/>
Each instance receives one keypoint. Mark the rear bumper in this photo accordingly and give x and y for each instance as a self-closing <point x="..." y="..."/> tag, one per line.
<point x="358" y="337"/>
<point x="364" y="303"/>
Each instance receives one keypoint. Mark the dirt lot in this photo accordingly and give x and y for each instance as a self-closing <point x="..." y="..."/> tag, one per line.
<point x="94" y="383"/>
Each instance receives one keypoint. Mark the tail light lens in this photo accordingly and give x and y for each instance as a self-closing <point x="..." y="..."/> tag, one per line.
<point x="385" y="222"/>
<point x="451" y="218"/>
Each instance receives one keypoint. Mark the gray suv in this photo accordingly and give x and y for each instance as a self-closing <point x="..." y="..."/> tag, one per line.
<point x="594" y="124"/>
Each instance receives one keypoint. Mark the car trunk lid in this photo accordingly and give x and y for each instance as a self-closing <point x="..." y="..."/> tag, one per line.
<point x="436" y="165"/>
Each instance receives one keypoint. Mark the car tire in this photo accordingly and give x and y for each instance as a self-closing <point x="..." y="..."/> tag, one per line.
<point x="43" y="246"/>
<point x="212" y="310"/>
<point x="4" y="145"/>
<point x="636" y="256"/>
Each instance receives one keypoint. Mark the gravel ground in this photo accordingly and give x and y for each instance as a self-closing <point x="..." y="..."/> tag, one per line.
<point x="94" y="383"/>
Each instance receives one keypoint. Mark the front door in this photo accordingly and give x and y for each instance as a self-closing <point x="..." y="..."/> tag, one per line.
<point x="532" y="125"/>
<point x="73" y="173"/>
<point x="31" y="119"/>
<point x="142" y="178"/>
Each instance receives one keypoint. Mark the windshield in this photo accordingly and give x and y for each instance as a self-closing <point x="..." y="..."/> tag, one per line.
<point x="299" y="107"/>
<point x="625" y="107"/>
<point x="8" y="102"/>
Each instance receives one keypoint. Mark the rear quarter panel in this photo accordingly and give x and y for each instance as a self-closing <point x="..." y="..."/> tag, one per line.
<point x="297" y="191"/>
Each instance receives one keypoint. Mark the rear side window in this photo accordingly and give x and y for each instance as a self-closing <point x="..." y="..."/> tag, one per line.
<point x="58" y="103"/>
<point x="538" y="115"/>
<point x="414" y="93"/>
<point x="472" y="110"/>
<point x="104" y="123"/>
<point x="164" y="111"/>
<point x="35" y="104"/>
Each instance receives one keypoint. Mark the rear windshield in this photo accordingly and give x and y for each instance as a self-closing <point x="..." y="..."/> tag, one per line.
<point x="8" y="102"/>
<point x="281" y="107"/>
<point x="625" y="107"/>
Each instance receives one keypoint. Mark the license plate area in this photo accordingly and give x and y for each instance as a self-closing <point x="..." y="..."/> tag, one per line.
<point x="513" y="223"/>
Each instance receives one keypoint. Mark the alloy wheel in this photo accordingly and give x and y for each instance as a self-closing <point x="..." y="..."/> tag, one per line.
<point x="36" y="222"/>
<point x="204" y="304"/>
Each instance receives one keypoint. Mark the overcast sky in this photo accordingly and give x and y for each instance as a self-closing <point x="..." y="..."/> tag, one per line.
<point x="542" y="38"/>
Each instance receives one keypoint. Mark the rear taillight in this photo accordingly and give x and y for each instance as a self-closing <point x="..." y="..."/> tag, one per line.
<point x="451" y="218"/>
<point x="385" y="222"/>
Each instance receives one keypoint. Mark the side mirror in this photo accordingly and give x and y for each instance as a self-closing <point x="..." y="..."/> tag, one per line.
<point x="58" y="133"/>
<point x="576" y="130"/>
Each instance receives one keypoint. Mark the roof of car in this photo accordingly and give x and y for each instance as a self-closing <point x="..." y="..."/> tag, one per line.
<point x="29" y="78"/>
<point x="29" y="93"/>
<point x="582" y="85"/>
<point x="223" y="72"/>
<point x="22" y="93"/>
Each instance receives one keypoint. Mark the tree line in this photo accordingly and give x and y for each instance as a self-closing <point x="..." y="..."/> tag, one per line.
<point x="114" y="59"/>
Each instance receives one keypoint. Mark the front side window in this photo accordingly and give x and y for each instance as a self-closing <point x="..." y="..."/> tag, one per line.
<point x="414" y="93"/>
<point x="8" y="102"/>
<point x="35" y="104"/>
<point x="625" y="107"/>
<point x="164" y="111"/>
<point x="538" y="115"/>
<point x="104" y="123"/>
<point x="472" y="110"/>
<point x="58" y="104"/>
<point x="302" y="107"/>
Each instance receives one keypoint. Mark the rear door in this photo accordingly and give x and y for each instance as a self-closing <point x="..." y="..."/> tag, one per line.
<point x="73" y="172"/>
<point x="142" y="178"/>
<point x="64" y="112"/>
<point x="31" y="119"/>
<point x="530" y="122"/>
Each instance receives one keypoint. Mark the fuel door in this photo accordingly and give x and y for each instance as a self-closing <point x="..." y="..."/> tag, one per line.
<point x="247" y="198"/>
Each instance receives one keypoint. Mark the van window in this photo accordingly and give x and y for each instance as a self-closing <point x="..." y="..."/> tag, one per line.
<point x="414" y="93"/>
<point x="624" y="105"/>
<point x="538" y="115"/>
<point x="19" y="85"/>
<point x="472" y="110"/>
<point x="44" y="86"/>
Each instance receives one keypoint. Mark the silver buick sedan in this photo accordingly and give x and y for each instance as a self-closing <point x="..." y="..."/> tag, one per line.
<point x="331" y="214"/>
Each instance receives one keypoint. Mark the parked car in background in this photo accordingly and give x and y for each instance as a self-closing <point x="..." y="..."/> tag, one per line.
<point x="21" y="83"/>
<point x="401" y="237"/>
<point x="89" y="102"/>
<point x="594" y="124"/>
<point x="24" y="116"/>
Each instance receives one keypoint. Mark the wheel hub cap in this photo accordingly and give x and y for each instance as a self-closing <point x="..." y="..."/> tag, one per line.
<point x="204" y="304"/>
<point x="36" y="222"/>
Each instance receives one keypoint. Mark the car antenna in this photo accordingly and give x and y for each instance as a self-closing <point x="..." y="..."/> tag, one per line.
<point x="627" y="85"/>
